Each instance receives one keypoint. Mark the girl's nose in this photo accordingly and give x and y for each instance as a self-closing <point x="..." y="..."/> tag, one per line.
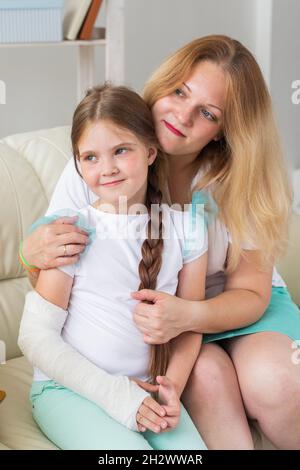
<point x="109" y="167"/>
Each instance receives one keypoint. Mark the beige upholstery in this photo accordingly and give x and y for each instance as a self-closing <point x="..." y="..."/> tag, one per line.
<point x="30" y="165"/>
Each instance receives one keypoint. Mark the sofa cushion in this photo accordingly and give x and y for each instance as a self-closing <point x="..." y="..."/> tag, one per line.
<point x="30" y="165"/>
<point x="289" y="265"/>
<point x="17" y="427"/>
<point x="12" y="294"/>
<point x="3" y="447"/>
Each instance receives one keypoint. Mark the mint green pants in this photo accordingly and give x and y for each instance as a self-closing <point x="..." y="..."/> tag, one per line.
<point x="72" y="422"/>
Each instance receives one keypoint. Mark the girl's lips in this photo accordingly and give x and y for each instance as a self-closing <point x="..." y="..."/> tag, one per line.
<point x="113" y="183"/>
<point x="173" y="129"/>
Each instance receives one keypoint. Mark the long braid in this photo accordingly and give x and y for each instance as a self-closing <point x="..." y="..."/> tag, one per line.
<point x="149" y="268"/>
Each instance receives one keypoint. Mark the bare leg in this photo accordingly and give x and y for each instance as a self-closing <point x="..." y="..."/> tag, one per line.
<point x="213" y="400"/>
<point x="270" y="384"/>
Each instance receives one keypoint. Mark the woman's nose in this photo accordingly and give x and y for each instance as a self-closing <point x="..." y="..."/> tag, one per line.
<point x="185" y="115"/>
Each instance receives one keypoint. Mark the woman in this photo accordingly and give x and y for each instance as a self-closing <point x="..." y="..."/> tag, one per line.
<point x="214" y="119"/>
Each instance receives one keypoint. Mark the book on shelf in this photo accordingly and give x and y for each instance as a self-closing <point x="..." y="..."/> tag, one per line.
<point x="86" y="30"/>
<point x="74" y="15"/>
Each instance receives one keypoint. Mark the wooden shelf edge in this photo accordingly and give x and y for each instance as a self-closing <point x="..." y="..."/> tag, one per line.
<point x="94" y="42"/>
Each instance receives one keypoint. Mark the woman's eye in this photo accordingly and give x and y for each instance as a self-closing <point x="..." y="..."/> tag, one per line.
<point x="208" y="115"/>
<point x="121" y="151"/>
<point x="179" y="92"/>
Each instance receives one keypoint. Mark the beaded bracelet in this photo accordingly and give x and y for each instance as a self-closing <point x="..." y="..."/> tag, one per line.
<point x="24" y="263"/>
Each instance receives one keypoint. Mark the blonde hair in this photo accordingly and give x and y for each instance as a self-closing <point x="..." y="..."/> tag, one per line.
<point x="127" y="110"/>
<point x="244" y="170"/>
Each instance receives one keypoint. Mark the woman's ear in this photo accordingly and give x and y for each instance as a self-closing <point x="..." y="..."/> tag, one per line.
<point x="218" y="137"/>
<point x="152" y="155"/>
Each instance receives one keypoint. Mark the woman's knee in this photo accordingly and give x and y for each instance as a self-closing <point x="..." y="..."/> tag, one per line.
<point x="267" y="376"/>
<point x="270" y="385"/>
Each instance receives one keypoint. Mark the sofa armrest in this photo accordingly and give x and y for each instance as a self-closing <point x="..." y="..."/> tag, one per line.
<point x="289" y="265"/>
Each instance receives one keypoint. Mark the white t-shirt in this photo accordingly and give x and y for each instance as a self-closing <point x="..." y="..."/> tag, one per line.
<point x="100" y="314"/>
<point x="72" y="192"/>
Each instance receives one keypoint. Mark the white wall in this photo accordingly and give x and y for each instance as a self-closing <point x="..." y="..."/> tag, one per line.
<point x="285" y="68"/>
<point x="156" y="28"/>
<point x="41" y="82"/>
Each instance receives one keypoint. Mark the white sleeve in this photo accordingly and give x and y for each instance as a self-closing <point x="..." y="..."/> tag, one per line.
<point x="70" y="191"/>
<point x="41" y="342"/>
<point x="195" y="236"/>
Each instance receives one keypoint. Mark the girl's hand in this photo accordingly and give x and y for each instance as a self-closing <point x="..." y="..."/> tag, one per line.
<point x="150" y="414"/>
<point x="168" y="397"/>
<point x="161" y="321"/>
<point x="44" y="248"/>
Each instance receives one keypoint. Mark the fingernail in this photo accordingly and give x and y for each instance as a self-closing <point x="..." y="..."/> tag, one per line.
<point x="164" y="425"/>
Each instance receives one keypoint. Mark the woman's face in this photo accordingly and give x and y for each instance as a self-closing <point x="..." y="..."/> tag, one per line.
<point x="189" y="118"/>
<point x="114" y="162"/>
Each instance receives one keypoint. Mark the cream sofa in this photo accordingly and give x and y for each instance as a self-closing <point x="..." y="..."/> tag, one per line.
<point x="30" y="166"/>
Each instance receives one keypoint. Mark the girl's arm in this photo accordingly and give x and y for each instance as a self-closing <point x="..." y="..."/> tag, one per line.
<point x="55" y="286"/>
<point x="185" y="347"/>
<point x="40" y="340"/>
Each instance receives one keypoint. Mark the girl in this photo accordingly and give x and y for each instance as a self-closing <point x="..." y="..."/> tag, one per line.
<point x="77" y="328"/>
<point x="213" y="117"/>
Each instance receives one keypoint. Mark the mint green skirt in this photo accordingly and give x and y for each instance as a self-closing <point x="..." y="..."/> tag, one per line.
<point x="282" y="316"/>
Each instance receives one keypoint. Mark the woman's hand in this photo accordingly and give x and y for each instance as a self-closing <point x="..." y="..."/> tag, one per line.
<point x="150" y="414"/>
<point x="45" y="247"/>
<point x="163" y="320"/>
<point x="168" y="397"/>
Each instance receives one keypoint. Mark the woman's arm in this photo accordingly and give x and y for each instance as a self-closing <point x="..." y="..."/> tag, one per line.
<point x="44" y="248"/>
<point x="245" y="299"/>
<point x="185" y="347"/>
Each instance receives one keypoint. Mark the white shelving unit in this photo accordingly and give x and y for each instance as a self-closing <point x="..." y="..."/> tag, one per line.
<point x="114" y="50"/>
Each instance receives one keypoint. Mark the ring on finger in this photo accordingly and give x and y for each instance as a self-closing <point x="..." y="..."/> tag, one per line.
<point x="65" y="250"/>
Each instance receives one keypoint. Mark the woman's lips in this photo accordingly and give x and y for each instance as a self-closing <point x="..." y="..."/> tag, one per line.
<point x="173" y="129"/>
<point x="112" y="183"/>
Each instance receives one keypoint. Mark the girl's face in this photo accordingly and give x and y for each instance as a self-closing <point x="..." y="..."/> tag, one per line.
<point x="114" y="162"/>
<point x="189" y="118"/>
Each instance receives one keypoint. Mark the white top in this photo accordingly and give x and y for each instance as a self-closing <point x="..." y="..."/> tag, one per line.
<point x="99" y="323"/>
<point x="72" y="192"/>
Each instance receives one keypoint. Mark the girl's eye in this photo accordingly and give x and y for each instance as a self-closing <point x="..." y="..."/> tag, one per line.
<point x="208" y="115"/>
<point x="121" y="150"/>
<point x="179" y="92"/>
<point x="89" y="158"/>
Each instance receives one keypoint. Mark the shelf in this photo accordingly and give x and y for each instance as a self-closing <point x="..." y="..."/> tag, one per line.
<point x="85" y="50"/>
<point x="94" y="42"/>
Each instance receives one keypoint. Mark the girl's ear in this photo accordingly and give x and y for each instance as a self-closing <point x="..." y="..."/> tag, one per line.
<point x="152" y="155"/>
